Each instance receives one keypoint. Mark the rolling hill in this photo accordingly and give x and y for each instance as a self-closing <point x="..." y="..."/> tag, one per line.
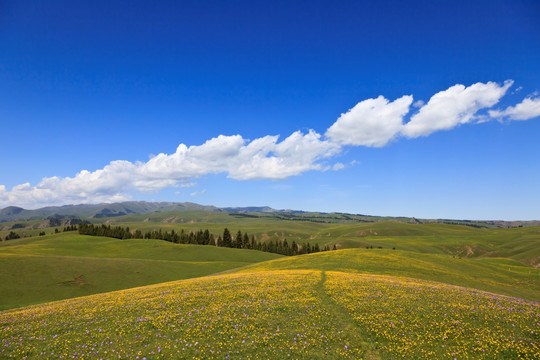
<point x="299" y="314"/>
<point x="53" y="267"/>
<point x="392" y="290"/>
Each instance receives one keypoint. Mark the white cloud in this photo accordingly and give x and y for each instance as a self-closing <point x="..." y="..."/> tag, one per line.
<point x="263" y="158"/>
<point x="372" y="122"/>
<point x="294" y="155"/>
<point x="338" y="166"/>
<point x="195" y="193"/>
<point x="519" y="88"/>
<point x="529" y="108"/>
<point x="418" y="103"/>
<point x="455" y="106"/>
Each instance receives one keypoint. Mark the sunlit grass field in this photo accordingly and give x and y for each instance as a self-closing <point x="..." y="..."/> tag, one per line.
<point x="430" y="291"/>
<point x="298" y="314"/>
<point x="519" y="244"/>
<point x="66" y="265"/>
<point x="499" y="275"/>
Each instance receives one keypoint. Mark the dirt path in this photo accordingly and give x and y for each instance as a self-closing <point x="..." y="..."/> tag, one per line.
<point x="344" y="321"/>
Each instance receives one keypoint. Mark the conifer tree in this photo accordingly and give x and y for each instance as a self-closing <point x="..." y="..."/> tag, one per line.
<point x="245" y="241"/>
<point x="227" y="241"/>
<point x="238" y="240"/>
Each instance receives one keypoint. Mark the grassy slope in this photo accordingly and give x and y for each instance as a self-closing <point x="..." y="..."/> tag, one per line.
<point x="54" y="267"/>
<point x="441" y="244"/>
<point x="521" y="244"/>
<point x="504" y="276"/>
<point x="297" y="314"/>
<point x="311" y="306"/>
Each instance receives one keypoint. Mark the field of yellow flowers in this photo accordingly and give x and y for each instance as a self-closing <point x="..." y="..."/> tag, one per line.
<point x="300" y="314"/>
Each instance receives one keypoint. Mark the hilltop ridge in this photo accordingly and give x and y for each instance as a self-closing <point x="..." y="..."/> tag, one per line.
<point x="111" y="210"/>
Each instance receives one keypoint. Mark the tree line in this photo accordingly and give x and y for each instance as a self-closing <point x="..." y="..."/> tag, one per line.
<point x="240" y="241"/>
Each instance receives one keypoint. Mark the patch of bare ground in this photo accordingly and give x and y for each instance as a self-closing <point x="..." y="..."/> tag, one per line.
<point x="77" y="281"/>
<point x="366" y="233"/>
<point x="146" y="220"/>
<point x="470" y="251"/>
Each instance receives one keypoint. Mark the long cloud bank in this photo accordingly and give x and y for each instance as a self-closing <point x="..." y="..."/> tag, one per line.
<point x="371" y="123"/>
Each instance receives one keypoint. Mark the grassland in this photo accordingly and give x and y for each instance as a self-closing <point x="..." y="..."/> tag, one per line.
<point x="53" y="267"/>
<point x="299" y="314"/>
<point x="421" y="291"/>
<point x="503" y="276"/>
<point x="519" y="244"/>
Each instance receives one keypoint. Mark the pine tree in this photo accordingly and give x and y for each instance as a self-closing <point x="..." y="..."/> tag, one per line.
<point x="245" y="241"/>
<point x="238" y="240"/>
<point x="227" y="241"/>
<point x="294" y="248"/>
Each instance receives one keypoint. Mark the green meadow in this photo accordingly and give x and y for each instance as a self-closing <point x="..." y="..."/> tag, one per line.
<point x="66" y="265"/>
<point x="498" y="275"/>
<point x="391" y="291"/>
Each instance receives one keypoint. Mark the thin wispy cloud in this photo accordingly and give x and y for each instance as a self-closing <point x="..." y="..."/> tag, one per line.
<point x="529" y="108"/>
<point x="371" y="123"/>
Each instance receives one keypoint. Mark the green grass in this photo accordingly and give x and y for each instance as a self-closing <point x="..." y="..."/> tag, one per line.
<point x="298" y="314"/>
<point x="54" y="267"/>
<point x="503" y="276"/>
<point x="347" y="304"/>
<point x="521" y="244"/>
<point x="488" y="259"/>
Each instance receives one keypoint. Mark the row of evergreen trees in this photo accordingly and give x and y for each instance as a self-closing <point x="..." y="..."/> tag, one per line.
<point x="240" y="241"/>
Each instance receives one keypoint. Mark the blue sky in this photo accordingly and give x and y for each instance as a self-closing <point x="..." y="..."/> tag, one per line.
<point x="419" y="108"/>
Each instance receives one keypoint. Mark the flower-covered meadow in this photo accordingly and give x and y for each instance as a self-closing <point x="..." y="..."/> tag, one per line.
<point x="415" y="319"/>
<point x="257" y="316"/>
<point x="277" y="315"/>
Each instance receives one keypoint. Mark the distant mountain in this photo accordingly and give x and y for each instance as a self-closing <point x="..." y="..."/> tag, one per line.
<point x="263" y="209"/>
<point x="85" y="211"/>
<point x="101" y="211"/>
<point x="107" y="210"/>
<point x="11" y="211"/>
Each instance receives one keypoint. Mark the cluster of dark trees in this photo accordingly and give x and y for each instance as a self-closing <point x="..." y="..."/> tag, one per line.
<point x="12" y="235"/>
<point x="240" y="241"/>
<point x="56" y="231"/>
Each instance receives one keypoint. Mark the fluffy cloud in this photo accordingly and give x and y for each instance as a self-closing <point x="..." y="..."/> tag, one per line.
<point x="455" y="106"/>
<point x="262" y="158"/>
<point x="529" y="108"/>
<point x="376" y="122"/>
<point x="372" y="122"/>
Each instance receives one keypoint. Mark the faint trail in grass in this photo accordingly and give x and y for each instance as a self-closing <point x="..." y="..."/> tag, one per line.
<point x="344" y="321"/>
